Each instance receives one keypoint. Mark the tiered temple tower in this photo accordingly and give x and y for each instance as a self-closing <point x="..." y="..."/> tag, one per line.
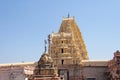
<point x="67" y="46"/>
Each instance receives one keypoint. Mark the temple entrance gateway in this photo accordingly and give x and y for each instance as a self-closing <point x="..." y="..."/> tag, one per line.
<point x="64" y="74"/>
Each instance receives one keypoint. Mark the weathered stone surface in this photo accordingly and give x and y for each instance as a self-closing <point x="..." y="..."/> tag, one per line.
<point x="113" y="71"/>
<point x="16" y="71"/>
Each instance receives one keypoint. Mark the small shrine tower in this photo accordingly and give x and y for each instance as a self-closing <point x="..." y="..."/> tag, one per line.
<point x="45" y="69"/>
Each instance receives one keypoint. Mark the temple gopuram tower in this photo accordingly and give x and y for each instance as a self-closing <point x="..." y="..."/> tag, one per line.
<point x="67" y="46"/>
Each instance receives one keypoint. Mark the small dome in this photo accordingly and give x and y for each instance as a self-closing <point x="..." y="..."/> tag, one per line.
<point x="45" y="58"/>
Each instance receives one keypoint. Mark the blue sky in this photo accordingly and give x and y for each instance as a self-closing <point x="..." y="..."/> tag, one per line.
<point x="25" y="24"/>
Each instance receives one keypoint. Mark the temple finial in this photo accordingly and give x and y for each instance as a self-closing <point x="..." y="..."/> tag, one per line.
<point x="49" y="39"/>
<point x="45" y="45"/>
<point x="68" y="15"/>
